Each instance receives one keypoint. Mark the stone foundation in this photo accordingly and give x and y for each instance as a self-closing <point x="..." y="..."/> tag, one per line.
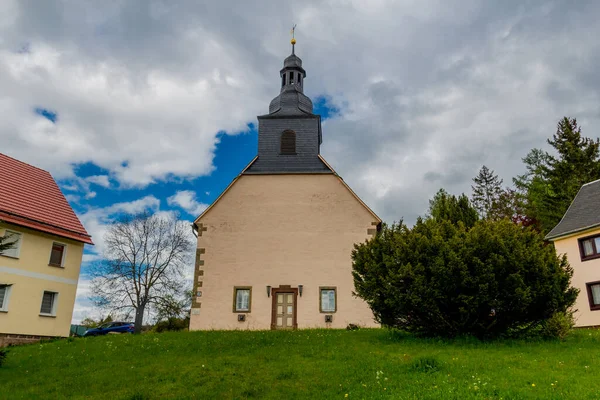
<point x="9" y="339"/>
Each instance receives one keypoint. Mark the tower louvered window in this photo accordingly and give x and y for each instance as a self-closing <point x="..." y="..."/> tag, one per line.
<point x="288" y="142"/>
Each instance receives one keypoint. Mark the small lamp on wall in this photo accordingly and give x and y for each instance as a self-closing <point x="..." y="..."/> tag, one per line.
<point x="268" y="291"/>
<point x="300" y="287"/>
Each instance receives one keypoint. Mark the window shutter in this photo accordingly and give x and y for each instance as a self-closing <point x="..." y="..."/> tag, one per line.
<point x="288" y="142"/>
<point x="47" y="303"/>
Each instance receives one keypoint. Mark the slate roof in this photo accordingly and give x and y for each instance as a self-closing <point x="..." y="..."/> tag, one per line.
<point x="30" y="197"/>
<point x="583" y="213"/>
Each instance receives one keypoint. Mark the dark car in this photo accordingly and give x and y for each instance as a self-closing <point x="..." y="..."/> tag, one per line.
<point x="110" y="327"/>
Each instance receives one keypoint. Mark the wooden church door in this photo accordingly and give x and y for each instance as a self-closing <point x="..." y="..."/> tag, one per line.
<point x="284" y="308"/>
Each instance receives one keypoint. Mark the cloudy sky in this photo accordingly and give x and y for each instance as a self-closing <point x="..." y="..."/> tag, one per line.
<point x="135" y="104"/>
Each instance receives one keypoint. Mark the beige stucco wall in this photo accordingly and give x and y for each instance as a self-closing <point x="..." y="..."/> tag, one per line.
<point x="30" y="275"/>
<point x="583" y="272"/>
<point x="281" y="230"/>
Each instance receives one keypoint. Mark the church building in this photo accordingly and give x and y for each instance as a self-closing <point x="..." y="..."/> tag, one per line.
<point x="274" y="249"/>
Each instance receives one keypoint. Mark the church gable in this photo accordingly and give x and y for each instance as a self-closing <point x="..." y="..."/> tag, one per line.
<point x="291" y="191"/>
<point x="289" y="232"/>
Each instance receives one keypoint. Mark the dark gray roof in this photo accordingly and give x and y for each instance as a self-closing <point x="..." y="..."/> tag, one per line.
<point x="291" y="101"/>
<point x="583" y="213"/>
<point x="292" y="61"/>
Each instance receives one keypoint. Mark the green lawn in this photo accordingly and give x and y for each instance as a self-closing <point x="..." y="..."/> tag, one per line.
<point x="314" y="364"/>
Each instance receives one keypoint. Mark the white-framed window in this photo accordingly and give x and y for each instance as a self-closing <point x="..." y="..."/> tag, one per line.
<point x="12" y="236"/>
<point x="49" y="301"/>
<point x="327" y="299"/>
<point x="58" y="254"/>
<point x="242" y="299"/>
<point x="4" y="295"/>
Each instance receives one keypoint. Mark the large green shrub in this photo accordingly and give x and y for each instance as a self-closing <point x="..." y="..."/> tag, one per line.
<point x="441" y="279"/>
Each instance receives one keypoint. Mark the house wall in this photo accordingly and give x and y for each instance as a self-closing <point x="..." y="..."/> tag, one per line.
<point x="30" y="275"/>
<point x="583" y="272"/>
<point x="280" y="230"/>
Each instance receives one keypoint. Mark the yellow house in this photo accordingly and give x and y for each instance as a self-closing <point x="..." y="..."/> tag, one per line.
<point x="578" y="236"/>
<point x="274" y="250"/>
<point x="39" y="275"/>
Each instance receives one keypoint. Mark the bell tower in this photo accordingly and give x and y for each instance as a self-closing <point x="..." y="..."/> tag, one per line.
<point x="289" y="136"/>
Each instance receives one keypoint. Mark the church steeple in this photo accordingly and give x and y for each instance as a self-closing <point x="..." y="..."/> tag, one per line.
<point x="291" y="98"/>
<point x="289" y="136"/>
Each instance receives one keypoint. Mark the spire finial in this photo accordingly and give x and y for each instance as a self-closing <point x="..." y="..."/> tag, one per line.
<point x="293" y="41"/>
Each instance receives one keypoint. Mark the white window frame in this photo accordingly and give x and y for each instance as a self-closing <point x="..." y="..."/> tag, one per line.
<point x="7" y="288"/>
<point x="64" y="255"/>
<point x="54" y="304"/>
<point x="17" y="249"/>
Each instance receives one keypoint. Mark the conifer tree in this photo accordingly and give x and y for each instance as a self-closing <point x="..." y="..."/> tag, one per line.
<point x="447" y="207"/>
<point x="552" y="181"/>
<point x="487" y="192"/>
<point x="577" y="163"/>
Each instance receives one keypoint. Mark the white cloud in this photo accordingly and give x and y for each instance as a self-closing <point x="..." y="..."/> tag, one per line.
<point x="100" y="180"/>
<point x="72" y="198"/>
<point x="186" y="199"/>
<point x="427" y="91"/>
<point x="96" y="220"/>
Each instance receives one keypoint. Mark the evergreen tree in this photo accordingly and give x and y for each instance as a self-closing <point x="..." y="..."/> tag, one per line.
<point x="552" y="181"/>
<point x="577" y="163"/>
<point x="531" y="186"/>
<point x="441" y="279"/>
<point x="487" y="192"/>
<point x="447" y="207"/>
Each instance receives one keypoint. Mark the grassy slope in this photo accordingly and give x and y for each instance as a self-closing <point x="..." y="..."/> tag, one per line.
<point x="301" y="364"/>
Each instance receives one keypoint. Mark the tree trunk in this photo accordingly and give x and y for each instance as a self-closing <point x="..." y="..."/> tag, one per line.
<point x="139" y="319"/>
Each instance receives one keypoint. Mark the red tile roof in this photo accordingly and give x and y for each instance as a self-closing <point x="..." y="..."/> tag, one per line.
<point x="30" y="197"/>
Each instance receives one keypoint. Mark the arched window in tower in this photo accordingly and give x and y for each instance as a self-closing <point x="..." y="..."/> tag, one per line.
<point x="292" y="80"/>
<point x="288" y="142"/>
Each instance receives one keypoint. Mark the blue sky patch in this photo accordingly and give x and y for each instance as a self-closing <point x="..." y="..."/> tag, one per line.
<point x="49" y="115"/>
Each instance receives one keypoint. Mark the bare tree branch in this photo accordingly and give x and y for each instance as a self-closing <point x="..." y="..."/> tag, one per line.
<point x="143" y="265"/>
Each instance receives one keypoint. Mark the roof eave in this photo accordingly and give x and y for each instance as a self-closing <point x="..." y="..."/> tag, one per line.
<point x="45" y="228"/>
<point x="572" y="232"/>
